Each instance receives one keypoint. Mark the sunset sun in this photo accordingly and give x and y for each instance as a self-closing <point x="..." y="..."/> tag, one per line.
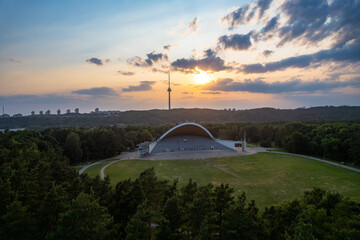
<point x="202" y="77"/>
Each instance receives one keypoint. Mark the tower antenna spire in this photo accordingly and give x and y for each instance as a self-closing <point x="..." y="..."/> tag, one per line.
<point x="169" y="90"/>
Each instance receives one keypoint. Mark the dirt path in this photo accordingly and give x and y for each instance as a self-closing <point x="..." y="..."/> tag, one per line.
<point x="222" y="168"/>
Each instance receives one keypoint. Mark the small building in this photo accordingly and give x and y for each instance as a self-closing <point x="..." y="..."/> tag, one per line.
<point x="68" y="111"/>
<point x="5" y="115"/>
<point x="41" y="112"/>
<point x="58" y="112"/>
<point x="77" y="110"/>
<point x="143" y="149"/>
<point x="17" y="115"/>
<point x="32" y="113"/>
<point x="96" y="110"/>
<point x="47" y="112"/>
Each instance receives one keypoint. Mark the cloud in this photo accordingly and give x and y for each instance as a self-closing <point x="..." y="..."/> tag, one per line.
<point x="246" y="13"/>
<point x="95" y="61"/>
<point x="348" y="53"/>
<point x="208" y="63"/>
<point x="260" y="86"/>
<point x="236" y="42"/>
<point x="193" y="26"/>
<point x="143" y="86"/>
<point x="126" y="73"/>
<point x="151" y="59"/>
<point x="236" y="17"/>
<point x="312" y="21"/>
<point x="304" y="21"/>
<point x="212" y="93"/>
<point x="169" y="47"/>
<point x="263" y="5"/>
<point x="209" y="53"/>
<point x="304" y="18"/>
<point x="267" y="31"/>
<point x="183" y="30"/>
<point x="97" y="91"/>
<point x="270" y="25"/>
<point x="267" y="53"/>
<point x="14" y="60"/>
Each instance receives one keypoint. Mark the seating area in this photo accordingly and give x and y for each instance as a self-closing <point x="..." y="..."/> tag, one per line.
<point x="187" y="143"/>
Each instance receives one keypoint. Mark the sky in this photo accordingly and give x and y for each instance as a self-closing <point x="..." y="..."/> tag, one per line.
<point x="116" y="55"/>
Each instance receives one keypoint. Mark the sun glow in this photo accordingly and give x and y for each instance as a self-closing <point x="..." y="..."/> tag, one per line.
<point x="202" y="77"/>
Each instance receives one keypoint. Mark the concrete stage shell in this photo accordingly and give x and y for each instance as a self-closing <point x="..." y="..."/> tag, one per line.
<point x="187" y="136"/>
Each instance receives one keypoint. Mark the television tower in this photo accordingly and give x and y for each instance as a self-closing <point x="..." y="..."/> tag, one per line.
<point x="169" y="90"/>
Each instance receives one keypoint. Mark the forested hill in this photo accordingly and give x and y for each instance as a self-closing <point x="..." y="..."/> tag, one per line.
<point x="161" y="117"/>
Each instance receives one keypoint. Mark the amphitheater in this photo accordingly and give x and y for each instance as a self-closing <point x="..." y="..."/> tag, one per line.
<point x="189" y="139"/>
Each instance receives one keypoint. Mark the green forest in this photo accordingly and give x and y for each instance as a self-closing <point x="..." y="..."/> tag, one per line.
<point x="42" y="197"/>
<point x="338" y="141"/>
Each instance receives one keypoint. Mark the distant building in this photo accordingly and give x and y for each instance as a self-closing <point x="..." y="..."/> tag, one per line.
<point x="12" y="130"/>
<point x="77" y="110"/>
<point x="47" y="112"/>
<point x="32" y="113"/>
<point x="58" y="112"/>
<point x="41" y="112"/>
<point x="17" y="115"/>
<point x="68" y="111"/>
<point x="96" y="110"/>
<point x="5" y="115"/>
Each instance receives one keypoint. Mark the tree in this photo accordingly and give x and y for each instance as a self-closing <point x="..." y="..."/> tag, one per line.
<point x="72" y="147"/>
<point x="17" y="223"/>
<point x="126" y="198"/>
<point x="201" y="208"/>
<point x="141" y="223"/>
<point x="173" y="214"/>
<point x="164" y="231"/>
<point x="223" y="200"/>
<point x="241" y="222"/>
<point x="296" y="143"/>
<point x="84" y="219"/>
<point x="354" y="150"/>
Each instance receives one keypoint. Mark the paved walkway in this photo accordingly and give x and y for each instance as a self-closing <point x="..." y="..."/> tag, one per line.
<point x="122" y="156"/>
<point x="321" y="160"/>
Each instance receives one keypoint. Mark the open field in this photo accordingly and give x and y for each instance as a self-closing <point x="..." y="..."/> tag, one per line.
<point x="262" y="176"/>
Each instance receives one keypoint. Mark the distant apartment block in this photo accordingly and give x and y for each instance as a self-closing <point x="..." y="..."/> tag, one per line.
<point x="32" y="113"/>
<point x="41" y="112"/>
<point x="68" y="111"/>
<point x="58" y="112"/>
<point x="96" y="110"/>
<point x="77" y="110"/>
<point x="47" y="112"/>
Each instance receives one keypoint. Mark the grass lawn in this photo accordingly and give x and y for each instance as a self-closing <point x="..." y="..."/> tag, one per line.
<point x="262" y="176"/>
